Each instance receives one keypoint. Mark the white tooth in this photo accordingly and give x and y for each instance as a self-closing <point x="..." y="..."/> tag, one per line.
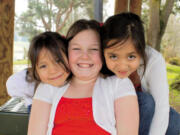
<point x="84" y="65"/>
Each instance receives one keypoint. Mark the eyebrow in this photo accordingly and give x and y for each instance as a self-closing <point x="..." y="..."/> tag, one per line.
<point x="41" y="62"/>
<point x="112" y="53"/>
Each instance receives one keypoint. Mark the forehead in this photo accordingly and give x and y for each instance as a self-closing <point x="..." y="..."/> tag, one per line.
<point x="124" y="46"/>
<point x="86" y="36"/>
<point x="44" y="53"/>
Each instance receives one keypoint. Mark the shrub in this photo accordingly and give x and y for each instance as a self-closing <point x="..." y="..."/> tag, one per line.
<point x="174" y="61"/>
<point x="176" y="83"/>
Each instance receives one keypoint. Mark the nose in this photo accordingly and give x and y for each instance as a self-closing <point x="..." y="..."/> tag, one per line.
<point x="122" y="64"/>
<point x="53" y="68"/>
<point x="85" y="55"/>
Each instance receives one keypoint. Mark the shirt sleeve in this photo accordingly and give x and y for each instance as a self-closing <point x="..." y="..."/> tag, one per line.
<point x="158" y="87"/>
<point x="17" y="86"/>
<point x="124" y="87"/>
<point x="45" y="92"/>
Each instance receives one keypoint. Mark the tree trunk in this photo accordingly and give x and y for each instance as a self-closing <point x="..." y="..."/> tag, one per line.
<point x="6" y="45"/>
<point x="158" y="22"/>
<point x="121" y="6"/>
<point x="154" y="25"/>
<point x="135" y="6"/>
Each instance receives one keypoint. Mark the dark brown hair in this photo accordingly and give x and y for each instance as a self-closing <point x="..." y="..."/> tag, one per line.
<point x="122" y="27"/>
<point x="54" y="43"/>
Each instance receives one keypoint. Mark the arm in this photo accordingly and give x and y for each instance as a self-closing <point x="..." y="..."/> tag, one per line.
<point x="126" y="108"/>
<point x="41" y="107"/>
<point x="39" y="118"/>
<point x="127" y="115"/>
<point x="17" y="86"/>
<point x="158" y="87"/>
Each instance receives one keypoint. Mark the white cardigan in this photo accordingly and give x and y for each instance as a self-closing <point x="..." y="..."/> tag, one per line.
<point x="104" y="94"/>
<point x="155" y="82"/>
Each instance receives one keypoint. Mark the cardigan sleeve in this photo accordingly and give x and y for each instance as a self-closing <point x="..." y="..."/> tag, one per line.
<point x="124" y="87"/>
<point x="45" y="92"/>
<point x="156" y="78"/>
<point x="17" y="86"/>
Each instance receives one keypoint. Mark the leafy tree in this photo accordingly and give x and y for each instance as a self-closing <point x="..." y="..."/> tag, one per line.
<point x="50" y="15"/>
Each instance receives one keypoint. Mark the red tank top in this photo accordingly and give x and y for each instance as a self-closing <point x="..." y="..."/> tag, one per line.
<point x="75" y="117"/>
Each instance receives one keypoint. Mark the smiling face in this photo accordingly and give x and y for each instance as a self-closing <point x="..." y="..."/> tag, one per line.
<point x="122" y="59"/>
<point x="49" y="70"/>
<point x="85" y="55"/>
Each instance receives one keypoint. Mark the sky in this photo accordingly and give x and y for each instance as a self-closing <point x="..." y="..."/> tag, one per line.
<point x="20" y="6"/>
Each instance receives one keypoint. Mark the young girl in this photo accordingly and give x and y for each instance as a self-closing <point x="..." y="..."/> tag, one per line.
<point x="48" y="58"/>
<point x="127" y="56"/>
<point x="89" y="104"/>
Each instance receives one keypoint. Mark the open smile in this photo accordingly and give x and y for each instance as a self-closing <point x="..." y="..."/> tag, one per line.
<point x="84" y="65"/>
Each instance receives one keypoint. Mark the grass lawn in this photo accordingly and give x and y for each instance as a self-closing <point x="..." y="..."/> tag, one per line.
<point x="172" y="73"/>
<point x="20" y="62"/>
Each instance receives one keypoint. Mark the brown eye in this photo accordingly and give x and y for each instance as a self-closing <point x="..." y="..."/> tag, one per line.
<point x="42" y="66"/>
<point x="131" y="57"/>
<point x="113" y="57"/>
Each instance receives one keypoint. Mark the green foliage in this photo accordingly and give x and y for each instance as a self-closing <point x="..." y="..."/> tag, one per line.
<point x="176" y="83"/>
<point x="173" y="73"/>
<point x="51" y="15"/>
<point x="173" y="69"/>
<point x="20" y="62"/>
<point x="174" y="61"/>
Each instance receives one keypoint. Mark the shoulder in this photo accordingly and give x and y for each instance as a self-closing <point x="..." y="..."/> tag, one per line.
<point x="19" y="75"/>
<point x="46" y="88"/>
<point x="114" y="80"/>
<point x="154" y="58"/>
<point x="45" y="92"/>
<point x="117" y="87"/>
<point x="152" y="54"/>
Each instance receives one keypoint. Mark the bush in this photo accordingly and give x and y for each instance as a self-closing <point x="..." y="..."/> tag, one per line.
<point x="174" y="61"/>
<point x="176" y="83"/>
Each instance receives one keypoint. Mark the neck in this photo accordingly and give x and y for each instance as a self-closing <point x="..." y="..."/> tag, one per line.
<point x="77" y="81"/>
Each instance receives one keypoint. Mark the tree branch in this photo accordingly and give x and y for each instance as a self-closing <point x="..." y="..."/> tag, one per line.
<point x="165" y="13"/>
<point x="59" y="14"/>
<point x="58" y="27"/>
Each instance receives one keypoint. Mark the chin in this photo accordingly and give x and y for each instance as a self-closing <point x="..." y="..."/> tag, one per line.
<point x="121" y="77"/>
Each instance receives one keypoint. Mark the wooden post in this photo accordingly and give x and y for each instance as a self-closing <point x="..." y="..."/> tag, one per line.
<point x="7" y="8"/>
<point x="120" y="6"/>
<point x="133" y="6"/>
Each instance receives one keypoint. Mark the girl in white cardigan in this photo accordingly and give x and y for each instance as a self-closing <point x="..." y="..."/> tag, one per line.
<point x="88" y="103"/>
<point x="127" y="56"/>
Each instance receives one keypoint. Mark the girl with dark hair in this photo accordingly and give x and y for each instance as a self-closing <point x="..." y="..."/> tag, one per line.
<point x="126" y="55"/>
<point x="24" y="83"/>
<point x="88" y="104"/>
<point x="48" y="59"/>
